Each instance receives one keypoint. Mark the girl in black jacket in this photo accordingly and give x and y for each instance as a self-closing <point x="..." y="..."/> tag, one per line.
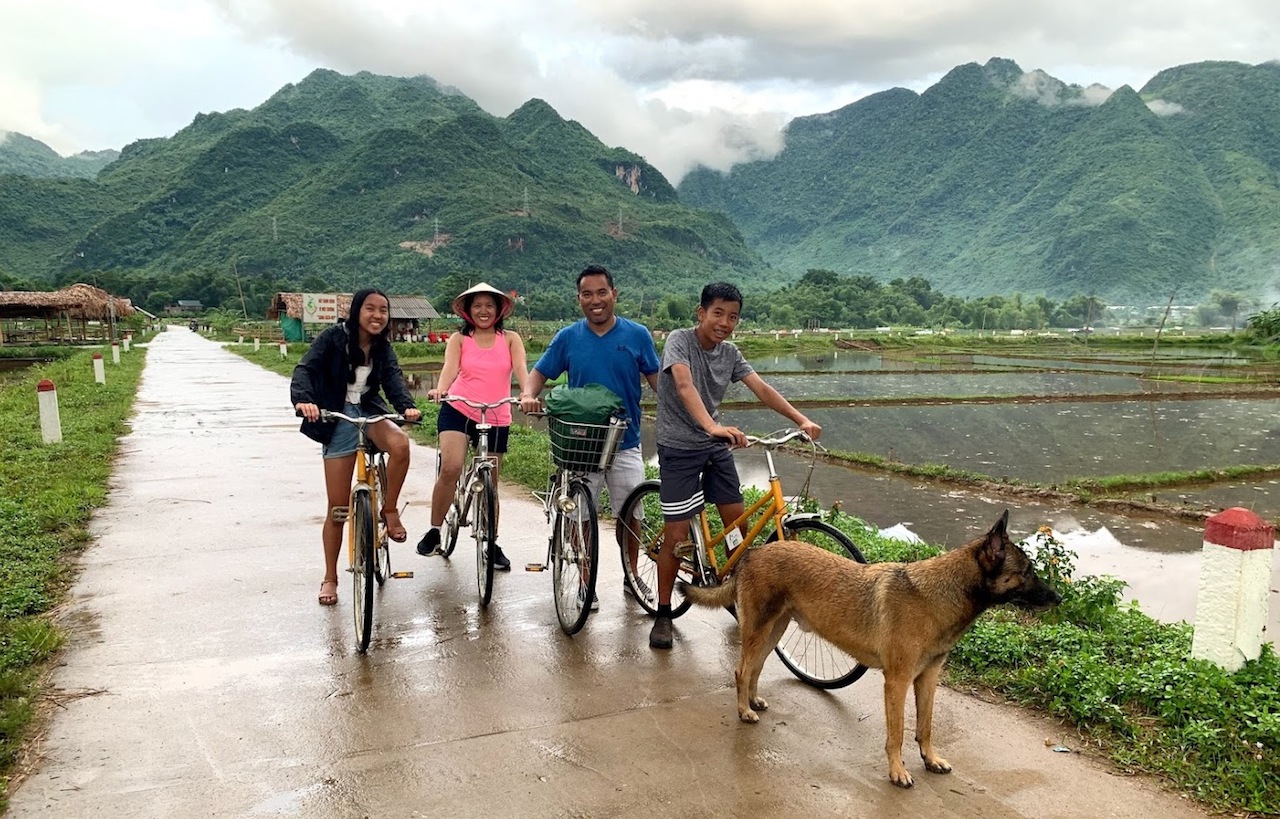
<point x="344" y="369"/>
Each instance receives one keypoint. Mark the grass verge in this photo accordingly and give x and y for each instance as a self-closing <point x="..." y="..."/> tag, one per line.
<point x="47" y="494"/>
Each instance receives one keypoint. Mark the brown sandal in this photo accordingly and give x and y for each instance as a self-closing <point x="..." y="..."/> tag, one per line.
<point x="395" y="529"/>
<point x="328" y="598"/>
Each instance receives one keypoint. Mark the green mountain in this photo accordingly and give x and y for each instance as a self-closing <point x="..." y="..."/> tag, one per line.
<point x="999" y="181"/>
<point x="25" y="156"/>
<point x="349" y="180"/>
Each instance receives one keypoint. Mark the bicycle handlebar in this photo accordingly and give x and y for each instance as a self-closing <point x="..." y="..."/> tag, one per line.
<point x="334" y="415"/>
<point x="786" y="437"/>
<point x="480" y="405"/>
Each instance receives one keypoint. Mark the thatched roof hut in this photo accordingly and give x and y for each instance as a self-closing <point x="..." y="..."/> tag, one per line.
<point x="406" y="313"/>
<point x="79" y="301"/>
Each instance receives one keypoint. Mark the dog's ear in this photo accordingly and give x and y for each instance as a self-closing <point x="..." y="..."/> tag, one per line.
<point x="991" y="552"/>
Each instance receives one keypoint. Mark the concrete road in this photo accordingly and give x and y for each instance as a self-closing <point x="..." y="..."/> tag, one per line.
<point x="202" y="679"/>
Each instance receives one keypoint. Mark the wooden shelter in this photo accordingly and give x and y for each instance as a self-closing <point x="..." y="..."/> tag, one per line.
<point x="407" y="314"/>
<point x="80" y="312"/>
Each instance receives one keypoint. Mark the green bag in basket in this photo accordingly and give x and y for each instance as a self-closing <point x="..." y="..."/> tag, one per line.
<point x="592" y="404"/>
<point x="585" y="425"/>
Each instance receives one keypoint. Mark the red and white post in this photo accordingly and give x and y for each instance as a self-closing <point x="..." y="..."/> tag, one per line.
<point x="50" y="421"/>
<point x="284" y="350"/>
<point x="115" y="352"/>
<point x="99" y="369"/>
<point x="1232" y="604"/>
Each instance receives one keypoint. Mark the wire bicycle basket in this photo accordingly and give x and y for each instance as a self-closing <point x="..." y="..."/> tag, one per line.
<point x="579" y="447"/>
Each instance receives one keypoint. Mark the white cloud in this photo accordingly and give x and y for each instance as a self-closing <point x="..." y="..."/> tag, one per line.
<point x="679" y="81"/>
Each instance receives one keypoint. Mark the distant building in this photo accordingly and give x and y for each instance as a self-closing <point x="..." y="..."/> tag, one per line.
<point x="184" y="307"/>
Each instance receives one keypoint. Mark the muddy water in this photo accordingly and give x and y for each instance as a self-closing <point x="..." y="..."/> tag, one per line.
<point x="955" y="385"/>
<point x="1052" y="442"/>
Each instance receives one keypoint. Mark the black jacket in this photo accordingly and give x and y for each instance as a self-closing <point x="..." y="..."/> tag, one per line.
<point x="321" y="379"/>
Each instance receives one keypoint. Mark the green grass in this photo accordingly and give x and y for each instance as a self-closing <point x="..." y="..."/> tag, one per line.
<point x="47" y="494"/>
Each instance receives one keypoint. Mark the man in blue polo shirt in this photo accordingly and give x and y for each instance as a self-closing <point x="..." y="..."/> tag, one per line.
<point x="606" y="349"/>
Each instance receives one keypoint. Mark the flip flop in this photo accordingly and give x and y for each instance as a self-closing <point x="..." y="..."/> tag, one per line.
<point x="395" y="530"/>
<point x="328" y="598"/>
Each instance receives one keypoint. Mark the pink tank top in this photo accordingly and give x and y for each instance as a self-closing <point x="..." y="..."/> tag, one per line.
<point x="484" y="375"/>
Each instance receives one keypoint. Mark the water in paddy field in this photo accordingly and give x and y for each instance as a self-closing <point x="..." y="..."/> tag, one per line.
<point x="836" y="385"/>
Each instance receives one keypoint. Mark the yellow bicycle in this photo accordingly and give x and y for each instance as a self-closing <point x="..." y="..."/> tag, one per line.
<point x="709" y="559"/>
<point x="368" y="550"/>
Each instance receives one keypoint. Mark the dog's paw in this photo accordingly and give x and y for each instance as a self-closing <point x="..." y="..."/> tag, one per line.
<point x="749" y="716"/>
<point x="937" y="765"/>
<point x="759" y="704"/>
<point x="900" y="777"/>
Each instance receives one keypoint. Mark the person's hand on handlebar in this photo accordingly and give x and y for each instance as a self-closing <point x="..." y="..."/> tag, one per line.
<point x="530" y="403"/>
<point x="735" y="437"/>
<point x="434" y="394"/>
<point x="811" y="429"/>
<point x="413" y="415"/>
<point x="311" y="412"/>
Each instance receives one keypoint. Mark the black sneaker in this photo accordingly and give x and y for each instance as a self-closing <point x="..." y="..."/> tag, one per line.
<point x="430" y="543"/>
<point x="660" y="634"/>
<point x="500" y="560"/>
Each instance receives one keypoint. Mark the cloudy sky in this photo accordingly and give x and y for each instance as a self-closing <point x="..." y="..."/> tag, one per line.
<point x="679" y="81"/>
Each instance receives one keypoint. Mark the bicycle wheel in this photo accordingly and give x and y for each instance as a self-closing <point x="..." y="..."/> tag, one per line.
<point x="382" y="554"/>
<point x="362" y="567"/>
<point x="452" y="520"/>
<point x="482" y="530"/>
<point x="640" y="522"/>
<point x="808" y="656"/>
<point x="575" y="552"/>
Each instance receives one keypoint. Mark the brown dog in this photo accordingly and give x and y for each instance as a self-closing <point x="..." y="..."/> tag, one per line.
<point x="901" y="617"/>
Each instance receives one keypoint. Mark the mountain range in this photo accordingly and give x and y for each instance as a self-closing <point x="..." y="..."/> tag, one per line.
<point x="993" y="181"/>
<point x="996" y="180"/>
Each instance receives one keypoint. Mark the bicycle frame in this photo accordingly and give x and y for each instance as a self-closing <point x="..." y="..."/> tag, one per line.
<point x="772" y="508"/>
<point x="478" y="461"/>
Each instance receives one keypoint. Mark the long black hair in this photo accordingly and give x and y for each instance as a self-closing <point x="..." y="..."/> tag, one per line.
<point x="355" y="356"/>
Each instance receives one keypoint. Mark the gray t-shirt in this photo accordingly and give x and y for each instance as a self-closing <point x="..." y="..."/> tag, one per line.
<point x="712" y="370"/>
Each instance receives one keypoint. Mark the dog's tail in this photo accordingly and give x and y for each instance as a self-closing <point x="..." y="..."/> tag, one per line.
<point x="721" y="596"/>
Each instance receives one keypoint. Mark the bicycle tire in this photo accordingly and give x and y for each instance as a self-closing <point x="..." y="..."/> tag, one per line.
<point x="362" y="568"/>
<point x="575" y="553"/>
<point x="482" y="531"/>
<point x="382" y="555"/>
<point x="641" y="518"/>
<point x="807" y="655"/>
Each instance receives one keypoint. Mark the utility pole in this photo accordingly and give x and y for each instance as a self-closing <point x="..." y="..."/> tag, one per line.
<point x="1160" y="329"/>
<point x="437" y="226"/>
<point x="275" y="232"/>
<point x="235" y="272"/>
<point x="526" y="200"/>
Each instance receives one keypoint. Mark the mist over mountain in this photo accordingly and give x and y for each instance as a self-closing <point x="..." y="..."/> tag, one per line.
<point x="993" y="181"/>
<point x="364" y="179"/>
<point x="996" y="180"/>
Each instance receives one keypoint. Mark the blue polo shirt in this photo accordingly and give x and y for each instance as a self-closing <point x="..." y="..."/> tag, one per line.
<point x="618" y="359"/>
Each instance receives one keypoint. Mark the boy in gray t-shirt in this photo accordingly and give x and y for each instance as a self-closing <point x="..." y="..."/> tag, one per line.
<point x="694" y="457"/>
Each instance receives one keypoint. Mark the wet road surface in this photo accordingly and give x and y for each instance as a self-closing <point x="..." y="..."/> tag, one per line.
<point x="202" y="679"/>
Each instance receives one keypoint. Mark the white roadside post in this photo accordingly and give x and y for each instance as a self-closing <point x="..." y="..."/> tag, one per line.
<point x="1232" y="603"/>
<point x="284" y="350"/>
<point x="128" y="339"/>
<point x="99" y="369"/>
<point x="115" y="352"/>
<point x="50" y="421"/>
<point x="256" y="344"/>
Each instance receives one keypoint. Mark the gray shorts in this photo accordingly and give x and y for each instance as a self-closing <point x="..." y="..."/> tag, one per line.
<point x="693" y="478"/>
<point x="626" y="473"/>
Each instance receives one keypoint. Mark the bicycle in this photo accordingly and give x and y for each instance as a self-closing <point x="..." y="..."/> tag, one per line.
<point x="476" y="491"/>
<point x="573" y="549"/>
<point x="709" y="559"/>
<point x="368" y="546"/>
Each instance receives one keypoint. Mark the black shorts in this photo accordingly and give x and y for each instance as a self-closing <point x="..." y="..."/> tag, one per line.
<point x="694" y="478"/>
<point x="450" y="420"/>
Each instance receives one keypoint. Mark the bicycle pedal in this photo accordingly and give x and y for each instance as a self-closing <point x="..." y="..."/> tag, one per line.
<point x="340" y="514"/>
<point x="402" y="575"/>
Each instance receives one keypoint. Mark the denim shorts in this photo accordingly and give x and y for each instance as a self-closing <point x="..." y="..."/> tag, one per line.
<point x="694" y="478"/>
<point x="345" y="436"/>
<point x="450" y="420"/>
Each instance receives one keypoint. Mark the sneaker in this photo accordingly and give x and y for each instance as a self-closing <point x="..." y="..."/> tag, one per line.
<point x="500" y="560"/>
<point x="582" y="594"/>
<point x="430" y="543"/>
<point x="637" y="589"/>
<point x="660" y="634"/>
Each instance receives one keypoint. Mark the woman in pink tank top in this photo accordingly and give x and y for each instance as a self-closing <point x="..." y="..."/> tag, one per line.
<point x="479" y="363"/>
